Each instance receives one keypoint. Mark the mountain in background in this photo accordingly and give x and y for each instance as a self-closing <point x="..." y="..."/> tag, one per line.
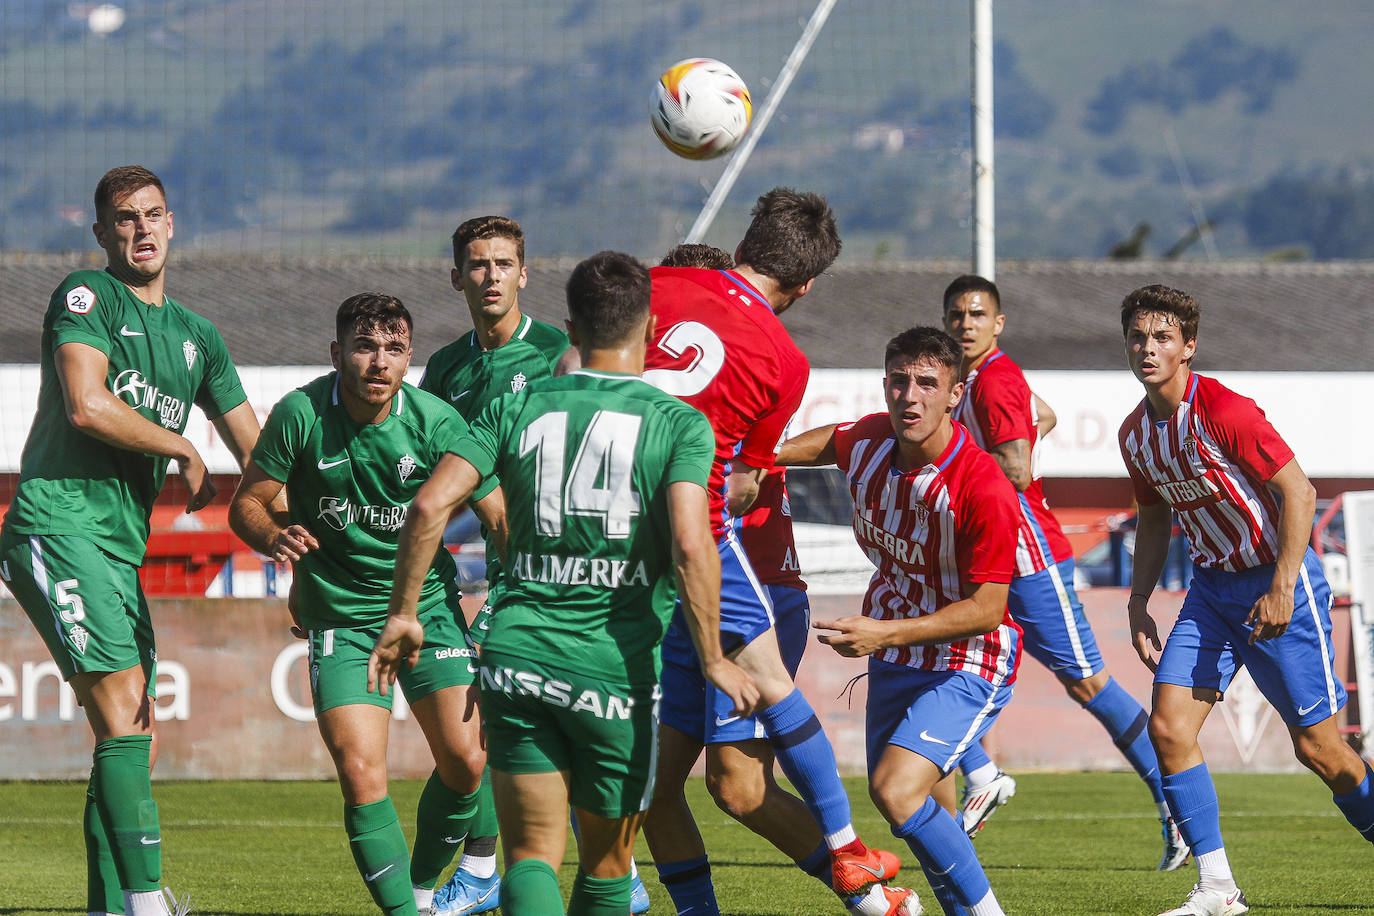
<point x="1223" y="127"/>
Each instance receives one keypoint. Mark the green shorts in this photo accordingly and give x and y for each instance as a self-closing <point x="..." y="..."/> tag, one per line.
<point x="86" y="604"/>
<point x="338" y="660"/>
<point x="540" y="718"/>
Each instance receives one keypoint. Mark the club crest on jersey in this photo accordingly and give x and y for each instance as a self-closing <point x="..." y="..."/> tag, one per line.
<point x="188" y="350"/>
<point x="79" y="636"/>
<point x="517" y="382"/>
<point x="80" y="300"/>
<point x="1190" y="447"/>
<point x="921" y="510"/>
<point x="405" y="467"/>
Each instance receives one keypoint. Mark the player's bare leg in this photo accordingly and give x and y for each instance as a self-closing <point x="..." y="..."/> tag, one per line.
<point x="1320" y="748"/>
<point x="945" y="794"/>
<point x="901" y="787"/>
<point x="532" y="810"/>
<point x="739" y="777"/>
<point x="452" y="727"/>
<point x="605" y="851"/>
<point x="356" y="736"/>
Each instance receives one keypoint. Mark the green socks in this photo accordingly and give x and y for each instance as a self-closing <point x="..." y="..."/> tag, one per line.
<point x="441" y="825"/>
<point x="124" y="798"/>
<point x="379" y="849"/>
<point x="599" y="896"/>
<point x="483" y="823"/>
<point x="530" y="888"/>
<point x="103" y="894"/>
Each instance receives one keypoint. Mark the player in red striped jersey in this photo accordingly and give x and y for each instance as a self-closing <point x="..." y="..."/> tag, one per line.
<point x="938" y="518"/>
<point x="1000" y="412"/>
<point x="1258" y="597"/>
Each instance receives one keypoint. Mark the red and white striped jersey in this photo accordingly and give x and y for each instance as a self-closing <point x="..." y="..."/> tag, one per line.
<point x="997" y="407"/>
<point x="931" y="532"/>
<point x="1210" y="462"/>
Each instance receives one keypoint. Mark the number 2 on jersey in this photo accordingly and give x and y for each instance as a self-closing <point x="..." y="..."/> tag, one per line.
<point x="696" y="375"/>
<point x="599" y="481"/>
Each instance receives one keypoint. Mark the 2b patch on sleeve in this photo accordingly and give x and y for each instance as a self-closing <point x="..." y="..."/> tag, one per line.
<point x="80" y="300"/>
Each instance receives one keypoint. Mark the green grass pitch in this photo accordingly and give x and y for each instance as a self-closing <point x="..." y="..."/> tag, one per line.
<point x="1068" y="843"/>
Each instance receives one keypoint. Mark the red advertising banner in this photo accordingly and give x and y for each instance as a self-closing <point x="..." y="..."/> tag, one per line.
<point x="234" y="701"/>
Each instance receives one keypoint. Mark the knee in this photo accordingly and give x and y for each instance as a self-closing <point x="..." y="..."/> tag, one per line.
<point x="1169" y="737"/>
<point x="461" y="770"/>
<point x="361" y="779"/>
<point x="737" y="794"/>
<point x="1329" y="759"/>
<point x="1082" y="691"/>
<point x="895" y="799"/>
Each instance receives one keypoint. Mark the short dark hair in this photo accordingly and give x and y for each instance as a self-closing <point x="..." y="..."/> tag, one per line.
<point x="608" y="298"/>
<point x="121" y="181"/>
<point x="971" y="283"/>
<point x="487" y="227"/>
<point x="924" y="343"/>
<point x="695" y="254"/>
<point x="367" y="312"/>
<point x="792" y="237"/>
<point x="1166" y="301"/>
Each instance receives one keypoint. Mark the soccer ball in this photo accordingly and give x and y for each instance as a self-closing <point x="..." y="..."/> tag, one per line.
<point x="700" y="108"/>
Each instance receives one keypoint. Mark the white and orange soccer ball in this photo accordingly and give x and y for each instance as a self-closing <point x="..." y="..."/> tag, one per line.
<point x="700" y="108"/>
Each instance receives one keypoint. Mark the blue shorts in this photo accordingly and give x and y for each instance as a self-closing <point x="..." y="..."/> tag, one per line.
<point x="1210" y="641"/>
<point x="937" y="714"/>
<point x="695" y="708"/>
<point x="745" y="609"/>
<point x="1057" y="634"/>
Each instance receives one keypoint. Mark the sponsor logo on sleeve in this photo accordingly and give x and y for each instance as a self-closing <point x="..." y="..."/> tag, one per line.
<point x="80" y="300"/>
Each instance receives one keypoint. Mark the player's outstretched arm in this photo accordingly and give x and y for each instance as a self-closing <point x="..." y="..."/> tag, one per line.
<point x="697" y="565"/>
<point x="238" y="427"/>
<point x="1154" y="524"/>
<point x="447" y="489"/>
<point x="254" y="519"/>
<point x="94" y="410"/>
<point x="813" y="448"/>
<point x="856" y="635"/>
<point x="1045" y="417"/>
<point x="1272" y="612"/>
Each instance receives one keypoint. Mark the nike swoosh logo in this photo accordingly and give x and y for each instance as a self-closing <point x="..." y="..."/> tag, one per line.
<point x="726" y="720"/>
<point x="1304" y="711"/>
<point x="454" y="397"/>
<point x="373" y="877"/>
<point x="326" y="465"/>
<point x="482" y="898"/>
<point x="150" y="841"/>
<point x="471" y="670"/>
<point x="927" y="736"/>
<point x="455" y="840"/>
<point x="127" y="333"/>
<point x="875" y="872"/>
<point x="1233" y="898"/>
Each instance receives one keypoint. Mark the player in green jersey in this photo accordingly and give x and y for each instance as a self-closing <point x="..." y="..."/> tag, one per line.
<point x="121" y="365"/>
<point x="605" y="487"/>
<point x="351" y="449"/>
<point x="504" y="351"/>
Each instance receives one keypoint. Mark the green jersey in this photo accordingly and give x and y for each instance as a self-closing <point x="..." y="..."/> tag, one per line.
<point x="350" y="485"/>
<point x="470" y="378"/>
<point x="162" y="359"/>
<point x="585" y="461"/>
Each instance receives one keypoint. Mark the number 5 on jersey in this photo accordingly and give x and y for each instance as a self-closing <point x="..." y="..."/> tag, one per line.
<point x="597" y="484"/>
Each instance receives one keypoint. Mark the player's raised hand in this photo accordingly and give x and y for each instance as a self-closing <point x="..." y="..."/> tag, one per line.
<point x="733" y="681"/>
<point x="399" y="643"/>
<point x="854" y="636"/>
<point x="196" y="476"/>
<point x="1144" y="633"/>
<point x="292" y="543"/>
<point x="1269" y="617"/>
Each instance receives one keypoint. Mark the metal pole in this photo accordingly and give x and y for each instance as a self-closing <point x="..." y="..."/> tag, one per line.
<point x="984" y="220"/>
<point x="784" y="80"/>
